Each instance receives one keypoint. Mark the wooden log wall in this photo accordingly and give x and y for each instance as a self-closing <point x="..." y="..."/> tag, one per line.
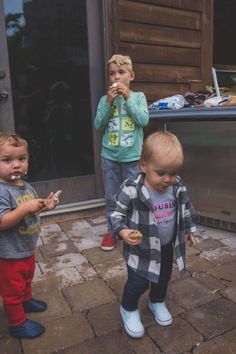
<point x="169" y="41"/>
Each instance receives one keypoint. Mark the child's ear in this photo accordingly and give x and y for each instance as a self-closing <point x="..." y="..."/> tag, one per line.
<point x="142" y="166"/>
<point x="132" y="76"/>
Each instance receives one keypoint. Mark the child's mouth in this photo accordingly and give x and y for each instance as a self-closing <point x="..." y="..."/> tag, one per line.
<point x="16" y="176"/>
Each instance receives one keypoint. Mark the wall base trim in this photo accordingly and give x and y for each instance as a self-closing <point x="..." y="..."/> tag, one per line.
<point x="216" y="223"/>
<point x="73" y="207"/>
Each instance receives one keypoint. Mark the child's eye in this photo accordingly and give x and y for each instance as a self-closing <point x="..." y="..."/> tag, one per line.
<point x="6" y="160"/>
<point x="160" y="173"/>
<point x="23" y="158"/>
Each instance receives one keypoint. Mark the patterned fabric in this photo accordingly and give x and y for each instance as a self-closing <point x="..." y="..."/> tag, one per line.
<point x="122" y="125"/>
<point x="164" y="204"/>
<point x="133" y="209"/>
<point x="20" y="240"/>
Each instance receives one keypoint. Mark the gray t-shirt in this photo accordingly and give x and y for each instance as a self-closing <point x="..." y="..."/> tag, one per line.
<point x="20" y="240"/>
<point x="164" y="205"/>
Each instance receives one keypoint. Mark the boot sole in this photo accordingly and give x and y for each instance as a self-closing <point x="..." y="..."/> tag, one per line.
<point x="131" y="333"/>
<point x="161" y="323"/>
<point x="27" y="337"/>
<point x="107" y="248"/>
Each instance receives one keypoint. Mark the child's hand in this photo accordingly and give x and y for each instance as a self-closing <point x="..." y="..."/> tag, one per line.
<point x="52" y="200"/>
<point x="112" y="93"/>
<point x="15" y="216"/>
<point x="192" y="240"/>
<point x="34" y="206"/>
<point x="124" y="233"/>
<point x="123" y="90"/>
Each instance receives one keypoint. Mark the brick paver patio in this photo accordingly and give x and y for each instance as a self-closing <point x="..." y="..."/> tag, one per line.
<point x="83" y="285"/>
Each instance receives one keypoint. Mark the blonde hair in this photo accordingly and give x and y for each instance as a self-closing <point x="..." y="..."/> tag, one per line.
<point x="162" y="145"/>
<point x="12" y="139"/>
<point x="121" y="60"/>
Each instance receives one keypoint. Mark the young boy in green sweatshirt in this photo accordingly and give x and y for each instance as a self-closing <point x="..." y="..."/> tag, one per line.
<point x="121" y="115"/>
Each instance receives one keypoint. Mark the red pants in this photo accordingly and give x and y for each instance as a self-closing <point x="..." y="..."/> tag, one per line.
<point x="16" y="286"/>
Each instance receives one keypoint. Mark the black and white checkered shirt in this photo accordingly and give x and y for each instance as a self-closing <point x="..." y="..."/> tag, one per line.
<point x="133" y="209"/>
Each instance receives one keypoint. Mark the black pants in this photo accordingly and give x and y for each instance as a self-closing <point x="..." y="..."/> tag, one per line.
<point x="136" y="285"/>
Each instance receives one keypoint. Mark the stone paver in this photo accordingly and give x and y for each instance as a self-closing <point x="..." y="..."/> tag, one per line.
<point x="100" y="230"/>
<point x="189" y="293"/>
<point x="97" y="220"/>
<point x="146" y="315"/>
<point x="101" y="320"/>
<point x="38" y="255"/>
<point x="87" y="271"/>
<point x="86" y="242"/>
<point x="219" y="255"/>
<point x="117" y="285"/>
<point x="85" y="296"/>
<point x="174" y="307"/>
<point x="213" y="318"/>
<point x="230" y="242"/>
<point x="225" y="272"/>
<point x="98" y="256"/>
<point x="52" y="233"/>
<point x="60" y="333"/>
<point x="113" y="343"/>
<point x="9" y="345"/>
<point x="207" y="232"/>
<point x="83" y="286"/>
<point x="57" y="279"/>
<point x="38" y="272"/>
<point x="208" y="244"/>
<point x="144" y="345"/>
<point x="196" y="264"/>
<point x="57" y="307"/>
<point x="110" y="270"/>
<point x="74" y="228"/>
<point x="209" y="281"/>
<point x="61" y="262"/>
<point x="224" y="344"/>
<point x="57" y="249"/>
<point x="230" y="293"/>
<point x="177" y="338"/>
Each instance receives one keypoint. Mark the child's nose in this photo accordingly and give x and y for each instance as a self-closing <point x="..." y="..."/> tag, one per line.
<point x="167" y="179"/>
<point x="117" y="75"/>
<point x="16" y="163"/>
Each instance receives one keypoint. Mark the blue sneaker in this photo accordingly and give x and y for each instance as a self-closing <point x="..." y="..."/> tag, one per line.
<point x="34" y="305"/>
<point x="27" y="330"/>
<point x="161" y="313"/>
<point x="132" y="323"/>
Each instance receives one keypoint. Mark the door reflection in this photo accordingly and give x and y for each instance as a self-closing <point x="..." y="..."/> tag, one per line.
<point x="48" y="55"/>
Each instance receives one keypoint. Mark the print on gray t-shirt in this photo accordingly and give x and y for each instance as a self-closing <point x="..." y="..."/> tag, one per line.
<point x="164" y="206"/>
<point x="20" y="240"/>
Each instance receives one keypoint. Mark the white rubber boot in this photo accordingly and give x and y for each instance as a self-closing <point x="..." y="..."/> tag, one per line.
<point x="161" y="313"/>
<point x="132" y="323"/>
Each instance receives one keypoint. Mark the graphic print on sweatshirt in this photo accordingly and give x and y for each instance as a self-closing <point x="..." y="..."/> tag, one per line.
<point x="121" y="127"/>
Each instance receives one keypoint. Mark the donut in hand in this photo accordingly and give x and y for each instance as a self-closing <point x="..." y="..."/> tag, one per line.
<point x="135" y="235"/>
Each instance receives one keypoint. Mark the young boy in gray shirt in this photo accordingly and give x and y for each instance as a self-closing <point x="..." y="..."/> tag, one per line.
<point x="19" y="232"/>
